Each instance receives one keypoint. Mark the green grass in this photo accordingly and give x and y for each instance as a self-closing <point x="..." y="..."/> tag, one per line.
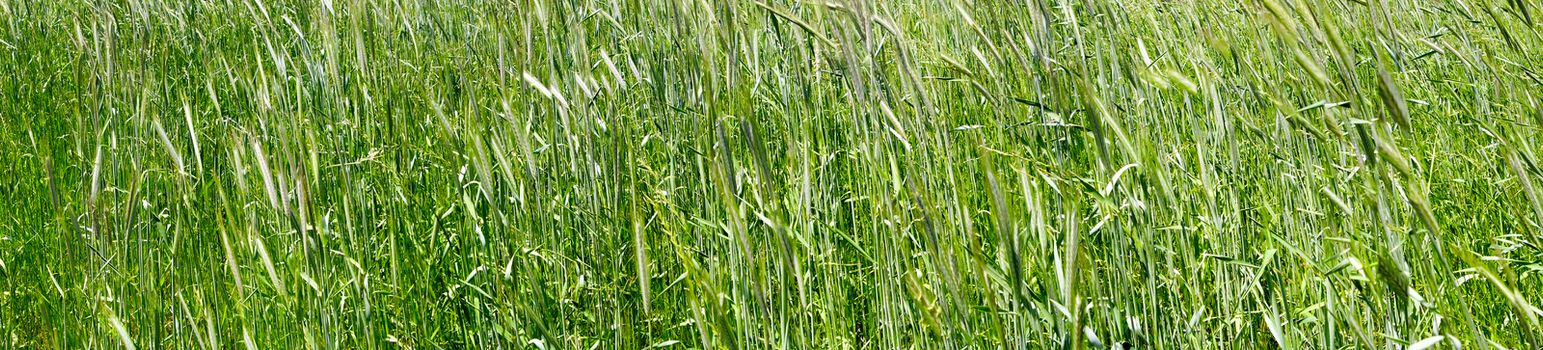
<point x="788" y="174"/>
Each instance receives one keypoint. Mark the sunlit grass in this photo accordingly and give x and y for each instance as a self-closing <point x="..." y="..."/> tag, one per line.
<point x="621" y="174"/>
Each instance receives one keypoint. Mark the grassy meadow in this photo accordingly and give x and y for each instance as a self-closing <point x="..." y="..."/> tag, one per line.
<point x="771" y="174"/>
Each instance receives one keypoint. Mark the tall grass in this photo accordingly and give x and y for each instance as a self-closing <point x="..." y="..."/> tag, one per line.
<point x="619" y="174"/>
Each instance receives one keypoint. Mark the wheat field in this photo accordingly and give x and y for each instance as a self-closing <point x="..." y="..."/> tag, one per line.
<point x="771" y="174"/>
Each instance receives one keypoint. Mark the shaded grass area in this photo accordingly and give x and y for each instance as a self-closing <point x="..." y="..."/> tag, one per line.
<point x="619" y="174"/>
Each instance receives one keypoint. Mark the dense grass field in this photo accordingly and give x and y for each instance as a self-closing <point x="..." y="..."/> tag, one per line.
<point x="771" y="174"/>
